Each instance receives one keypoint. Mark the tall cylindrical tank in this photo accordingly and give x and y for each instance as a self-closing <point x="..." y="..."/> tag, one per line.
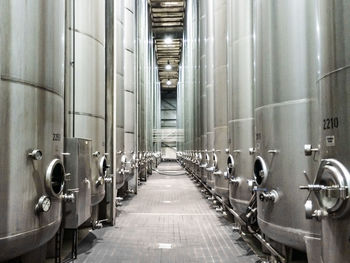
<point x="240" y="101"/>
<point x="220" y="98"/>
<point x="32" y="119"/>
<point x="143" y="34"/>
<point x="85" y="106"/>
<point x="333" y="175"/>
<point x="202" y="81"/>
<point x="118" y="101"/>
<point x="209" y="49"/>
<point x="286" y="74"/>
<point x="129" y="87"/>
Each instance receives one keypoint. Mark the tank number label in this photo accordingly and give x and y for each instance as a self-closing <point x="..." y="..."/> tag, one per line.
<point x="330" y="123"/>
<point x="56" y="137"/>
<point x="330" y="141"/>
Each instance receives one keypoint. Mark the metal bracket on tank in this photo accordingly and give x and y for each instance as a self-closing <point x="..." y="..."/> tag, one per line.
<point x="308" y="150"/>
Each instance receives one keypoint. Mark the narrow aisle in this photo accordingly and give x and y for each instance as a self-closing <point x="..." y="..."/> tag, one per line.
<point x="168" y="221"/>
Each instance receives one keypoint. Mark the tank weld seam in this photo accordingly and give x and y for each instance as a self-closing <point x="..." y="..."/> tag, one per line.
<point x="172" y="214"/>
<point x="221" y="127"/>
<point x="242" y="119"/>
<point x="31" y="84"/>
<point x="88" y="35"/>
<point x="87" y="114"/>
<point x="28" y="232"/>
<point x="333" y="72"/>
<point x="285" y="103"/>
<point x="289" y="229"/>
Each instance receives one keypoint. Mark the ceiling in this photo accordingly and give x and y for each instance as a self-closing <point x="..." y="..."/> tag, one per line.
<point x="167" y="24"/>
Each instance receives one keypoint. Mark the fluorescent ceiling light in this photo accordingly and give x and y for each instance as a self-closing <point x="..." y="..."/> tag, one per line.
<point x="168" y="82"/>
<point x="168" y="67"/>
<point x="168" y="40"/>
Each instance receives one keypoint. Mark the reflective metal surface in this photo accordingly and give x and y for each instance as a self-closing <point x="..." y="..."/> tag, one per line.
<point x="220" y="97"/>
<point x="129" y="87"/>
<point x="286" y="74"/>
<point x="240" y="101"/>
<point x="209" y="49"/>
<point x="31" y="120"/>
<point x="78" y="165"/>
<point x="334" y="98"/>
<point x="86" y="83"/>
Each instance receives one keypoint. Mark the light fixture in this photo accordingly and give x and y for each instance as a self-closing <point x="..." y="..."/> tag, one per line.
<point x="168" y="82"/>
<point x="168" y="66"/>
<point x="168" y="40"/>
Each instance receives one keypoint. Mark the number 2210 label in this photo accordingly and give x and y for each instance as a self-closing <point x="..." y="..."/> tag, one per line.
<point x="330" y="123"/>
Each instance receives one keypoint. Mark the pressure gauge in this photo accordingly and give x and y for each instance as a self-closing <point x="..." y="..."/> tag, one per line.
<point x="43" y="205"/>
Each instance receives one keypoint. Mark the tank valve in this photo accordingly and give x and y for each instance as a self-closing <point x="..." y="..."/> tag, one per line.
<point x="252" y="151"/>
<point x="96" y="154"/>
<point x="118" y="201"/>
<point x="308" y="150"/>
<point x="235" y="181"/>
<point x="36" y="154"/>
<point x="269" y="196"/>
<point x="226" y="175"/>
<point x="69" y="197"/>
<point x="219" y="209"/>
<point x="251" y="184"/>
<point x="67" y="177"/>
<point x="211" y="198"/>
<point x="218" y="173"/>
<point x="210" y="169"/>
<point x="100" y="181"/>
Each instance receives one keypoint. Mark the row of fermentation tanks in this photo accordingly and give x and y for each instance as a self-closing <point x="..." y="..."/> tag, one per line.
<point x="67" y="73"/>
<point x="272" y="142"/>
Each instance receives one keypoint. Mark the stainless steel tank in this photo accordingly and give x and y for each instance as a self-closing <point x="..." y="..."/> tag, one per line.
<point x="87" y="86"/>
<point x="202" y="84"/>
<point x="286" y="73"/>
<point x="119" y="105"/>
<point x="143" y="33"/>
<point x="331" y="186"/>
<point x="220" y="98"/>
<point x="32" y="118"/>
<point x="209" y="49"/>
<point x="203" y="103"/>
<point x="240" y="102"/>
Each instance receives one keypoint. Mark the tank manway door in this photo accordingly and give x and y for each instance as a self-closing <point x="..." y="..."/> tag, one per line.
<point x="331" y="188"/>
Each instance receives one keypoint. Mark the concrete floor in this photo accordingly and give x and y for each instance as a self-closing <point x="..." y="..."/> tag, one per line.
<point x="168" y="221"/>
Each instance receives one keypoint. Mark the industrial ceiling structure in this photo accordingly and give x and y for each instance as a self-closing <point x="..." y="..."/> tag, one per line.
<point x="167" y="23"/>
